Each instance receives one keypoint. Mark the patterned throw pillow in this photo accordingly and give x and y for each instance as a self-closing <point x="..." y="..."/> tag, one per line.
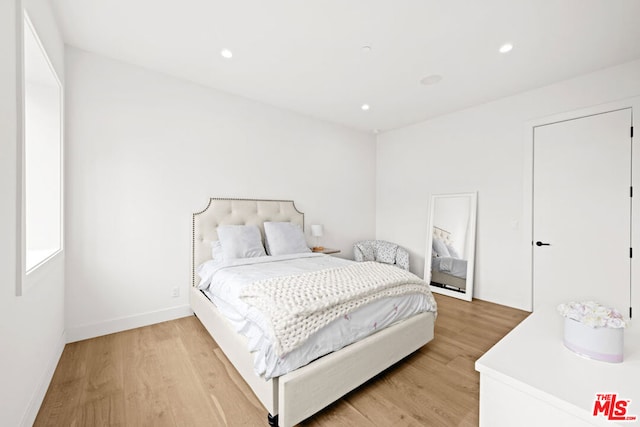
<point x="367" y="251"/>
<point x="386" y="252"/>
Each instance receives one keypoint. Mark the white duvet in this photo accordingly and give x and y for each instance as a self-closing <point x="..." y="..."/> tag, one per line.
<point x="222" y="282"/>
<point x="453" y="266"/>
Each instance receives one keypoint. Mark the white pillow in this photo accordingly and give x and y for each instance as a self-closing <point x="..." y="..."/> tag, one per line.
<point x="216" y="250"/>
<point x="240" y="241"/>
<point x="284" y="238"/>
<point x="453" y="252"/>
<point x="440" y="248"/>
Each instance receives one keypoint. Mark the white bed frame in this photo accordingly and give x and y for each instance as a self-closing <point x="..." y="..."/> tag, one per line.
<point x="297" y="395"/>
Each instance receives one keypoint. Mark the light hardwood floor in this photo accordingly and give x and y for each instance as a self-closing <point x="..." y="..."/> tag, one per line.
<point x="174" y="374"/>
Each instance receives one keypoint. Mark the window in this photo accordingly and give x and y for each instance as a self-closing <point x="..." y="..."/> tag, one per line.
<point x="42" y="154"/>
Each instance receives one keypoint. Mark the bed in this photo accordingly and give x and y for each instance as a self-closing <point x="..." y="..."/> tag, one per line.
<point x="447" y="271"/>
<point x="299" y="393"/>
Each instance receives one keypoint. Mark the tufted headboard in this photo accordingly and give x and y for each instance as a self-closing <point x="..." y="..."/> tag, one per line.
<point x="235" y="212"/>
<point x="441" y="234"/>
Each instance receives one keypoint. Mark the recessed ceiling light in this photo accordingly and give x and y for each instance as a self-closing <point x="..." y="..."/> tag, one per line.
<point x="506" y="48"/>
<point x="431" y="79"/>
<point x="365" y="107"/>
<point x="226" y="53"/>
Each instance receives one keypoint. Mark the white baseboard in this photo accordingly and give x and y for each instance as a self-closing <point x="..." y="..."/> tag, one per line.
<point x="43" y="385"/>
<point x="84" y="332"/>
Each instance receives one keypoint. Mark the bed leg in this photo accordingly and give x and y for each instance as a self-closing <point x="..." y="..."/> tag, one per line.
<point x="273" y="421"/>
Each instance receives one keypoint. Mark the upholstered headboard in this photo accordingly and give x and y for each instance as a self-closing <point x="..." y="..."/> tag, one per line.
<point x="441" y="234"/>
<point x="235" y="212"/>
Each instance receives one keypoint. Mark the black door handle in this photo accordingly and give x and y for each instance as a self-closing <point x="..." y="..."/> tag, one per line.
<point x="539" y="243"/>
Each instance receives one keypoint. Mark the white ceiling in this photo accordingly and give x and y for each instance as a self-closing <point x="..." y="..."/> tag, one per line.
<point x="307" y="56"/>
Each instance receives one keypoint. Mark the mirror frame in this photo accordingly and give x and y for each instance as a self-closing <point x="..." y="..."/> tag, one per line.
<point x="468" y="294"/>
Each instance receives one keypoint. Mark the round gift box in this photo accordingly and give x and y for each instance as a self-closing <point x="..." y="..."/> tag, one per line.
<point x="605" y="344"/>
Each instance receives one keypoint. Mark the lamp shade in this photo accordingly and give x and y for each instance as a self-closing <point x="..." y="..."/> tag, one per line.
<point x="316" y="230"/>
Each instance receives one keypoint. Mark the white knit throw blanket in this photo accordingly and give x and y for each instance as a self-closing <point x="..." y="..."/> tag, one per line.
<point x="301" y="304"/>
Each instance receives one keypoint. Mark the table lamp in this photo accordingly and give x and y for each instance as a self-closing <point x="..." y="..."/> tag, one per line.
<point x="317" y="231"/>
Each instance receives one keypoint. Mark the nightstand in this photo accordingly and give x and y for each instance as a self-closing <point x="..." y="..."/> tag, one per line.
<point x="327" y="251"/>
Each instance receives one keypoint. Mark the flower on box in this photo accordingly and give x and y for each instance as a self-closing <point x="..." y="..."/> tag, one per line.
<point x="592" y="314"/>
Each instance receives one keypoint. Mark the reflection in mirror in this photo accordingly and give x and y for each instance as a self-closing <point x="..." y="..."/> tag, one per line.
<point x="42" y="152"/>
<point x="451" y="244"/>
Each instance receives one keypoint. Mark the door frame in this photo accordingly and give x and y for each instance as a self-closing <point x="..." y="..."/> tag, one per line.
<point x="527" y="200"/>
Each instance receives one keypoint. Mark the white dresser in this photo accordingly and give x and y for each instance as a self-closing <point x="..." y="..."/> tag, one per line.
<point x="530" y="378"/>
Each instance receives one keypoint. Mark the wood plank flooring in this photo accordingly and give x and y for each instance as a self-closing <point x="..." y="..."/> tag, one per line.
<point x="174" y="374"/>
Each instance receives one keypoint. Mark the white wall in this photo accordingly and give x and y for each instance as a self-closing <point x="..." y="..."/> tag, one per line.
<point x="145" y="151"/>
<point x="32" y="325"/>
<point x="480" y="148"/>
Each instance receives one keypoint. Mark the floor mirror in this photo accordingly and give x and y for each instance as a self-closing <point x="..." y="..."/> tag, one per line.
<point x="451" y="242"/>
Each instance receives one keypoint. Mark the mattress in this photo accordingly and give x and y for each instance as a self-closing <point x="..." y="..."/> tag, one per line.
<point x="222" y="283"/>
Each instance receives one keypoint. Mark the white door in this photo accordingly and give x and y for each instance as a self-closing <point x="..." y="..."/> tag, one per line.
<point x="582" y="211"/>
